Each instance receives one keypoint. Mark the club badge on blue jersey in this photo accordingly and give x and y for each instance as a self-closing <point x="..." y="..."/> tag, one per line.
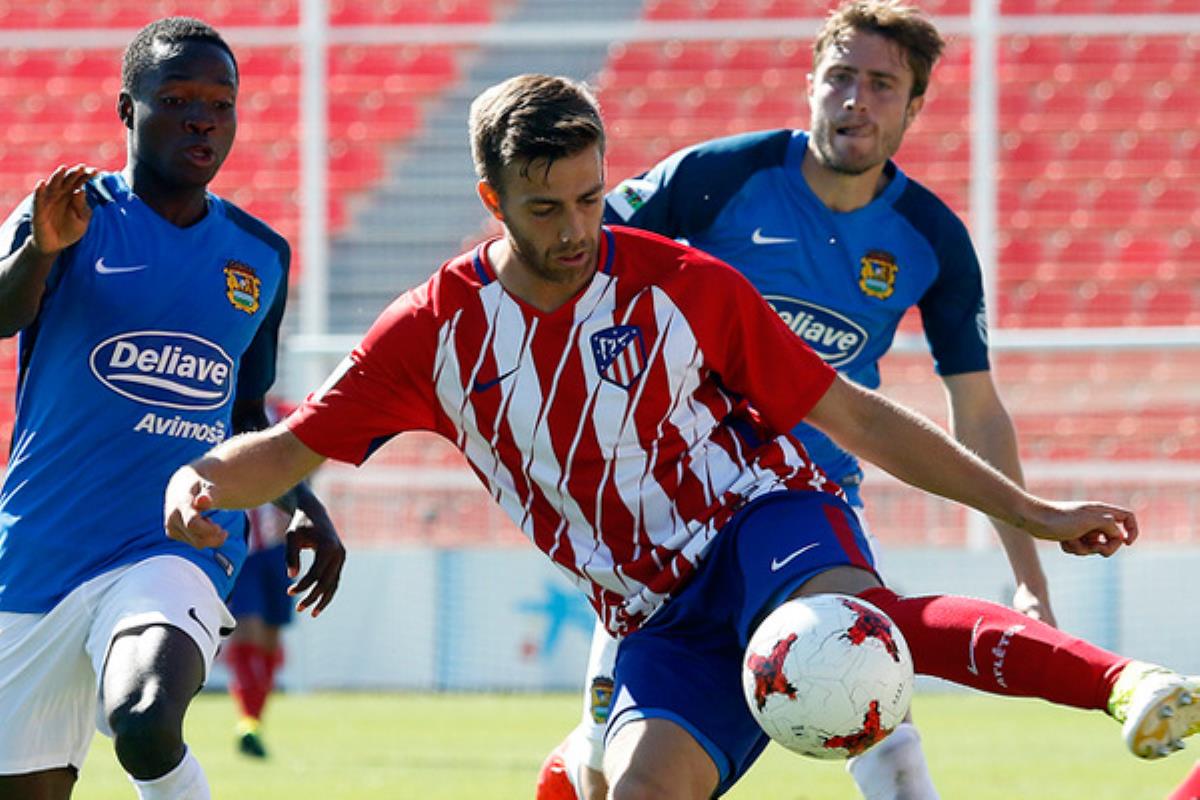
<point x="620" y="354"/>
<point x="242" y="286"/>
<point x="600" y="698"/>
<point x="877" y="278"/>
<point x="631" y="195"/>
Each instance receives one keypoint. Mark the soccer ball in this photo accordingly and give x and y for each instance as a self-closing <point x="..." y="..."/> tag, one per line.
<point x="828" y="675"/>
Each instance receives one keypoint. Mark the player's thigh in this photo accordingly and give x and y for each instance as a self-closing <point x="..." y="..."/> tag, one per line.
<point x="47" y="689"/>
<point x="685" y="669"/>
<point x="156" y="633"/>
<point x="657" y="758"/>
<point x="54" y="784"/>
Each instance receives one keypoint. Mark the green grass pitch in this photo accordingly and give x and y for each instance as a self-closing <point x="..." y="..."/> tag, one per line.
<point x="446" y="747"/>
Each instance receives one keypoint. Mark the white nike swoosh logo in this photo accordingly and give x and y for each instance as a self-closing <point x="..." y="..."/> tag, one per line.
<point x="758" y="238"/>
<point x="777" y="565"/>
<point x="104" y="269"/>
<point x="971" y="668"/>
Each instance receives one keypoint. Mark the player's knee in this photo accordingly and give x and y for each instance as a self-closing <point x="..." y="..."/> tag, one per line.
<point x="647" y="784"/>
<point x="148" y="737"/>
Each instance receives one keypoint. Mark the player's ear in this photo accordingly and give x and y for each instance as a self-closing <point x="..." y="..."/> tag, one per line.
<point x="490" y="198"/>
<point x="125" y="109"/>
<point x="914" y="107"/>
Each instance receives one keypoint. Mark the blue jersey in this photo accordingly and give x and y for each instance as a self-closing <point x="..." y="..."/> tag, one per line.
<point x="146" y="335"/>
<point x="842" y="281"/>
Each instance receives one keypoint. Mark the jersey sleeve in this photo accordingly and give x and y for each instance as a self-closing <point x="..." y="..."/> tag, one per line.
<point x="682" y="195"/>
<point x="256" y="368"/>
<point x="382" y="388"/>
<point x="952" y="309"/>
<point x="752" y="350"/>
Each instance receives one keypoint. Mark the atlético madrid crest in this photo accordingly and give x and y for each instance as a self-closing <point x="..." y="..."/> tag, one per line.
<point x="242" y="286"/>
<point x="877" y="278"/>
<point x="620" y="354"/>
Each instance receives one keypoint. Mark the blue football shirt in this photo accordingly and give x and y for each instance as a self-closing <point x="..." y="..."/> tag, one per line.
<point x="146" y="335"/>
<point x="842" y="281"/>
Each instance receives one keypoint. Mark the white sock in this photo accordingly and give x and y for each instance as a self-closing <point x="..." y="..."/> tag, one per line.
<point x="581" y="754"/>
<point x="894" y="769"/>
<point x="185" y="782"/>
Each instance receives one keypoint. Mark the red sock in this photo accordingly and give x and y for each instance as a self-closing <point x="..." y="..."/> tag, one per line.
<point x="1190" y="788"/>
<point x="269" y="663"/>
<point x="995" y="649"/>
<point x="247" y="677"/>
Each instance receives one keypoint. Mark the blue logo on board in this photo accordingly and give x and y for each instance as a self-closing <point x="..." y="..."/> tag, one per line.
<point x="161" y="368"/>
<point x="836" y="338"/>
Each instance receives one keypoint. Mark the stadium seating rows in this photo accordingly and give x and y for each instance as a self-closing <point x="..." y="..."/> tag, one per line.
<point x="58" y="106"/>
<point x="19" y="14"/>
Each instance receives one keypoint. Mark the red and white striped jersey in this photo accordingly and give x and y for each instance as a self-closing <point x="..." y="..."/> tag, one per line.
<point x="620" y="431"/>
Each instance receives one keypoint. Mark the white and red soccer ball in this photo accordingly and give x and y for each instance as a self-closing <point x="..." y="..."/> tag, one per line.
<point x="828" y="675"/>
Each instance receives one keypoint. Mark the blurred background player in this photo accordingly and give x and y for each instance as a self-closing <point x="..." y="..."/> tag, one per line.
<point x="842" y="244"/>
<point x="262" y="607"/>
<point x="148" y="312"/>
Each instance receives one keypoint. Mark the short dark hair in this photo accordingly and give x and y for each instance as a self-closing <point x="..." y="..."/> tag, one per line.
<point x="905" y="25"/>
<point x="532" y="118"/>
<point x="140" y="57"/>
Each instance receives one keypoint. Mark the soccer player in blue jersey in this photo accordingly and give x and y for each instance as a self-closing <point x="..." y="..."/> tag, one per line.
<point x="148" y="312"/>
<point x="841" y="243"/>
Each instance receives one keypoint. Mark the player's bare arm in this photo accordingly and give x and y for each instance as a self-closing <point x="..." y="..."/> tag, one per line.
<point x="59" y="219"/>
<point x="311" y="528"/>
<point x="243" y="472"/>
<point x="980" y="421"/>
<point x="917" y="452"/>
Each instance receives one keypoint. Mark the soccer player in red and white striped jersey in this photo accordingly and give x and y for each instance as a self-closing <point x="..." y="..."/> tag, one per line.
<point x="626" y="399"/>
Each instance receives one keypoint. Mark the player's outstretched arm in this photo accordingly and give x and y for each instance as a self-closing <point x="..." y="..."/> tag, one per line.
<point x="59" y="219"/>
<point x="920" y="453"/>
<point x="982" y="424"/>
<point x="243" y="472"/>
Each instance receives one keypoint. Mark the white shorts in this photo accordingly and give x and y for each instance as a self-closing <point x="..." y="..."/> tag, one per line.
<point x="51" y="664"/>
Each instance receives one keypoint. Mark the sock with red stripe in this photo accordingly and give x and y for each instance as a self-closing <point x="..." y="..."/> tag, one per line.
<point x="989" y="647"/>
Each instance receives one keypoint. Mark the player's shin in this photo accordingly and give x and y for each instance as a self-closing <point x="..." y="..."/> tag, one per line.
<point x="992" y="648"/>
<point x="185" y="782"/>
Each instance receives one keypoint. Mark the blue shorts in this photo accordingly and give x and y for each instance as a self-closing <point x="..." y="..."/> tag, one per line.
<point x="261" y="588"/>
<point x="685" y="664"/>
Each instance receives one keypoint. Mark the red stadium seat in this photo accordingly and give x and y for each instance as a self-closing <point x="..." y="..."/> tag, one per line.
<point x="1020" y="257"/>
<point x="1026" y="156"/>
<point x="1175" y="205"/>
<point x="689" y="56"/>
<point x="634" y="57"/>
<point x="1115" y="205"/>
<point x="671" y="9"/>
